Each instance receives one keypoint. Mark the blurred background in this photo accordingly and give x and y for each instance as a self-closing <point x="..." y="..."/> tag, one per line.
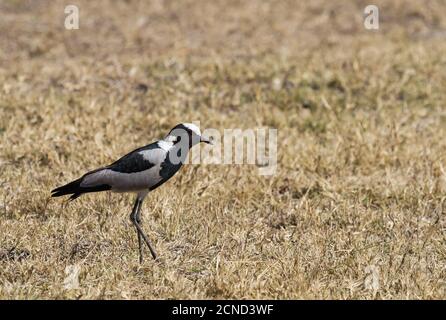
<point x="34" y="29"/>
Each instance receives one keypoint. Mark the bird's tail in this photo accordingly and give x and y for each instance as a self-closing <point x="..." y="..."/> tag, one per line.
<point x="75" y="189"/>
<point x="72" y="188"/>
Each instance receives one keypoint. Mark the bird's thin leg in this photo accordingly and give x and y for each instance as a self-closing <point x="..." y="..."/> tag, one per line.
<point x="141" y="233"/>
<point x="137" y="212"/>
<point x="138" y="219"/>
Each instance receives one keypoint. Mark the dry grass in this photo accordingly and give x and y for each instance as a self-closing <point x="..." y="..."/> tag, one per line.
<point x="359" y="193"/>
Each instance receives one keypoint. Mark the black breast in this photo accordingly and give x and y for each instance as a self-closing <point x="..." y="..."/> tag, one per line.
<point x="168" y="168"/>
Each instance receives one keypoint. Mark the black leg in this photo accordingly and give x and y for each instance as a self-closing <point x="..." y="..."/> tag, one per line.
<point x="137" y="212"/>
<point x="136" y="219"/>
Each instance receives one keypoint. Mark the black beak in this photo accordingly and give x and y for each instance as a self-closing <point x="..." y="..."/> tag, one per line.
<point x="205" y="140"/>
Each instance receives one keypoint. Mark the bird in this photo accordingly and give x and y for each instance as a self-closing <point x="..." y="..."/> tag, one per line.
<point x="140" y="171"/>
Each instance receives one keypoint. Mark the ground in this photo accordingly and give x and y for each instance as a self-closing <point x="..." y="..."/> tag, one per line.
<point x="355" y="209"/>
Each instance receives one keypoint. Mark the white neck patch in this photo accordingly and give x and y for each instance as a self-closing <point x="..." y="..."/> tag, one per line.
<point x="165" y="144"/>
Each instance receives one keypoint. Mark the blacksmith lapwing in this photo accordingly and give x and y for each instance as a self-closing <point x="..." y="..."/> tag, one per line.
<point x="139" y="171"/>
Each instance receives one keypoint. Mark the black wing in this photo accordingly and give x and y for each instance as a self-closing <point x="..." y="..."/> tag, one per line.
<point x="134" y="161"/>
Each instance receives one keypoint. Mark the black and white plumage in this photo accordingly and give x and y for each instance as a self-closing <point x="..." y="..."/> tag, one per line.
<point x="139" y="171"/>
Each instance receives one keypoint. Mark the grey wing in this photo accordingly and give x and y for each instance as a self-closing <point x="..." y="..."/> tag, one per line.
<point x="138" y="170"/>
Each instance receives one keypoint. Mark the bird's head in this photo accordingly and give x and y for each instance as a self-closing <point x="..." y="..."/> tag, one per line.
<point x="187" y="132"/>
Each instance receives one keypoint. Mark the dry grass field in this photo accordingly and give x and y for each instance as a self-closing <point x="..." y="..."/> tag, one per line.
<point x="355" y="210"/>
